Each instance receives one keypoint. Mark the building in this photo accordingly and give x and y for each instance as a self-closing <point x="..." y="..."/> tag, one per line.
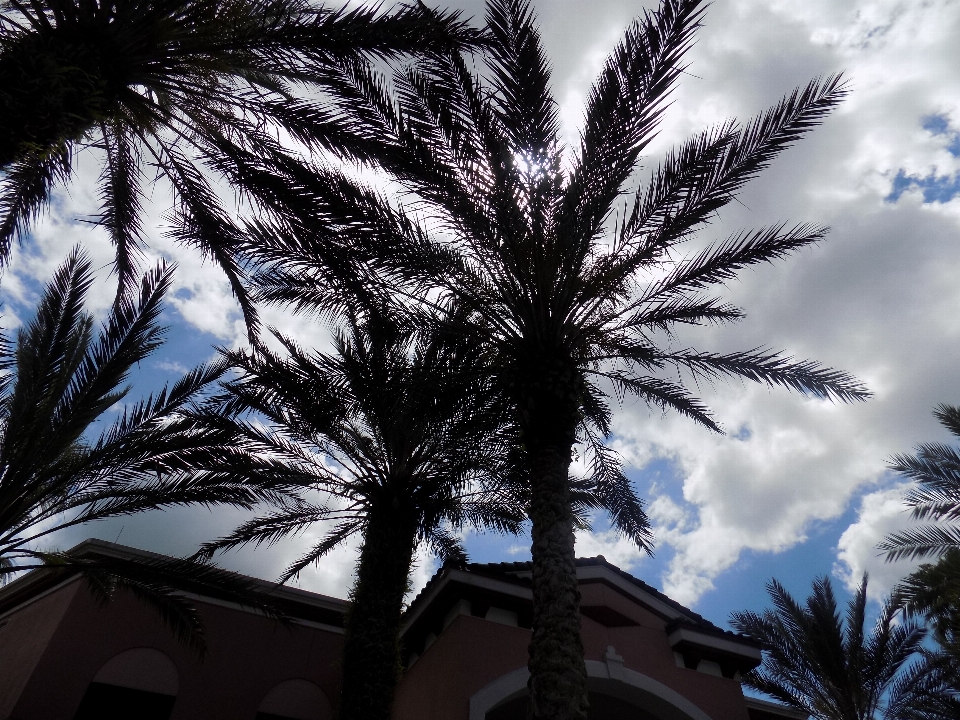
<point x="64" y="656"/>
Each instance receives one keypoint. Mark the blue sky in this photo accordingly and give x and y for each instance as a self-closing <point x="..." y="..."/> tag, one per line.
<point x="798" y="488"/>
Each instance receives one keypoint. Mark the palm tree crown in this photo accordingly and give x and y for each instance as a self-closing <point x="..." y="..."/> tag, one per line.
<point x="60" y="379"/>
<point x="188" y="86"/>
<point x="404" y="442"/>
<point x="570" y="300"/>
<point x="835" y="670"/>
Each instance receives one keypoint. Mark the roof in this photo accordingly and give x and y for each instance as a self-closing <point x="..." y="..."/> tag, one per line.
<point x="507" y="586"/>
<point x="519" y="572"/>
<point x="600" y="561"/>
<point x="295" y="603"/>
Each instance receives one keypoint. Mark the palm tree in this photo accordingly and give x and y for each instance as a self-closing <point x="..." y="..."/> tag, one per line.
<point x="935" y="470"/>
<point x="933" y="592"/>
<point x="571" y="299"/>
<point x="835" y="670"/>
<point x="59" y="379"/>
<point x="404" y="443"/>
<point x="186" y="86"/>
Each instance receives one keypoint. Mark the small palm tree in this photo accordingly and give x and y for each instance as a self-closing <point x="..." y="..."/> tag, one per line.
<point x="835" y="670"/>
<point x="404" y="442"/>
<point x="571" y="300"/>
<point x="59" y="379"/>
<point x="181" y="85"/>
<point x="935" y="470"/>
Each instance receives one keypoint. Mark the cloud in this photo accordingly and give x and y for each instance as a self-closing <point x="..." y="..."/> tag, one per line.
<point x="171" y="366"/>
<point x="877" y="298"/>
<point x="880" y="514"/>
<point x="615" y="548"/>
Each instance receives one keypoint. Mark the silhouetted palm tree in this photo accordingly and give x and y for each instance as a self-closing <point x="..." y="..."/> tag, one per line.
<point x="404" y="442"/>
<point x="935" y="470"/>
<point x="933" y="592"/>
<point x="60" y="378"/>
<point x="572" y="299"/>
<point x="183" y="87"/>
<point x="834" y="669"/>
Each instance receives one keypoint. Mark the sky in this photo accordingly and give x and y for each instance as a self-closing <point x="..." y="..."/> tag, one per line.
<point x="797" y="487"/>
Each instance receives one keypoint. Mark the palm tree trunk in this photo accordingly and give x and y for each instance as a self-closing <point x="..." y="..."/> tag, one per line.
<point x="49" y="93"/>
<point x="371" y="653"/>
<point x="558" y="675"/>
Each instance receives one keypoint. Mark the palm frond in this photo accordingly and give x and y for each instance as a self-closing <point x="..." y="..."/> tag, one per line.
<point x="624" y="108"/>
<point x="771" y="368"/>
<point x="446" y="546"/>
<point x="934" y="495"/>
<point x="949" y="417"/>
<point x="121" y="203"/>
<point x="334" y="538"/>
<point x="662" y="394"/>
<point x="25" y="190"/>
<point x="920" y="542"/>
<point x="522" y="74"/>
<point x="614" y="493"/>
<point x="929" y="690"/>
<point x="198" y="221"/>
<point x="718" y="263"/>
<point x="746" y="154"/>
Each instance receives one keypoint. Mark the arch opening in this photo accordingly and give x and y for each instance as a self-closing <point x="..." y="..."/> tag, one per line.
<point x="295" y="699"/>
<point x="141" y="682"/>
<point x="614" y="692"/>
<point x="602" y="707"/>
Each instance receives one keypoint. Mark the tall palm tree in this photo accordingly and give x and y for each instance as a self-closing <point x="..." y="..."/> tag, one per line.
<point x="935" y="495"/>
<point x="835" y="670"/>
<point x="397" y="439"/>
<point x="60" y="377"/>
<point x="571" y="299"/>
<point x="186" y="87"/>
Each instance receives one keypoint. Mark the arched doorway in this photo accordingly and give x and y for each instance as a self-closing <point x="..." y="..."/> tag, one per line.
<point x="295" y="699"/>
<point x="616" y="692"/>
<point x="602" y="707"/>
<point x="140" y="682"/>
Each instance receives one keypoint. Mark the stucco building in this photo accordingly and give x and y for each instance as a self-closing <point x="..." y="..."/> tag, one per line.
<point x="64" y="656"/>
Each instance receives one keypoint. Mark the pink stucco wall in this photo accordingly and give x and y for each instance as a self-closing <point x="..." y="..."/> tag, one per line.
<point x="23" y="642"/>
<point x="51" y="648"/>
<point x="473" y="652"/>
<point x="247" y="656"/>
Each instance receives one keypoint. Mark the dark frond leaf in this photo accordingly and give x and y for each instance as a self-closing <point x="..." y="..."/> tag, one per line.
<point x="25" y="190"/>
<point x="775" y="369"/>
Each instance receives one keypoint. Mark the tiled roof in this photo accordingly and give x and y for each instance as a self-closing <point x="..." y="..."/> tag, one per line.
<point x="507" y="571"/>
<point x="601" y="561"/>
<point x="294" y="602"/>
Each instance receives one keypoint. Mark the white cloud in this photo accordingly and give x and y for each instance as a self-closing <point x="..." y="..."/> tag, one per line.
<point x="615" y="548"/>
<point x="881" y="513"/>
<point x="171" y="366"/>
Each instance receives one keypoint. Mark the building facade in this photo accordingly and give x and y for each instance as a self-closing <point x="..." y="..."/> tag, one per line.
<point x="64" y="656"/>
